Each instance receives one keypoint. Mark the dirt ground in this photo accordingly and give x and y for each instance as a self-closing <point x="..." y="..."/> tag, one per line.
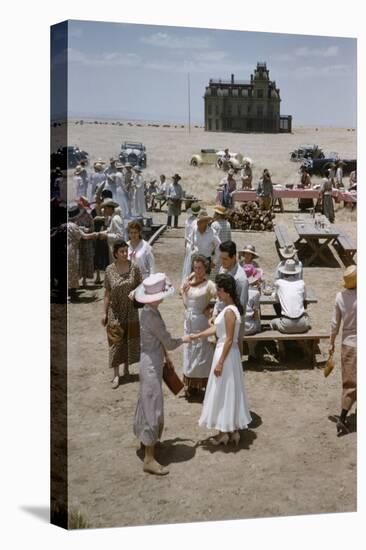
<point x="289" y="461"/>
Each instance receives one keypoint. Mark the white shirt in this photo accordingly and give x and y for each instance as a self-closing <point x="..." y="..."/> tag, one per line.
<point x="115" y="230"/>
<point x="222" y="229"/>
<point x="339" y="174"/>
<point x="143" y="257"/>
<point x="188" y="228"/>
<point x="345" y="309"/>
<point x="206" y="243"/>
<point x="95" y="179"/>
<point x="291" y="295"/>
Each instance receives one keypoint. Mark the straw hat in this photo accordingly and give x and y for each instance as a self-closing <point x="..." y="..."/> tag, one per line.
<point x="119" y="165"/>
<point x="350" y="277"/>
<point x="220" y="210"/>
<point x="112" y="160"/>
<point x="288" y="251"/>
<point x="128" y="165"/>
<point x="154" y="288"/>
<point x="194" y="210"/>
<point x="98" y="165"/>
<point x="203" y="216"/>
<point x="153" y="180"/>
<point x="109" y="202"/>
<point x="78" y="170"/>
<point x="290" y="268"/>
<point x="251" y="249"/>
<point x="137" y="169"/>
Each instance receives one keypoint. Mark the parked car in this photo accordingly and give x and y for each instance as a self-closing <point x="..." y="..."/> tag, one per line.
<point x="215" y="156"/>
<point x="134" y="153"/>
<point x="320" y="167"/>
<point x="68" y="157"/>
<point x="307" y="152"/>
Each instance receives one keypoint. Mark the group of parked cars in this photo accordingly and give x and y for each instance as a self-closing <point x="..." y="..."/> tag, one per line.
<point x="313" y="158"/>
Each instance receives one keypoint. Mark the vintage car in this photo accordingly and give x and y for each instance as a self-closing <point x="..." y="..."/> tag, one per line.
<point x="320" y="167"/>
<point x="307" y="152"/>
<point x="215" y="156"/>
<point x="134" y="153"/>
<point x="68" y="157"/>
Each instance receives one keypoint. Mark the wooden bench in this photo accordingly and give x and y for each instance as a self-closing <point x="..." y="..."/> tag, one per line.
<point x="282" y="237"/>
<point x="347" y="247"/>
<point x="308" y="340"/>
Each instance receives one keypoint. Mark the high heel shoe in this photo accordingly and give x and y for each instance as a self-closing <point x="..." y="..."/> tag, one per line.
<point x="222" y="440"/>
<point x="235" y="438"/>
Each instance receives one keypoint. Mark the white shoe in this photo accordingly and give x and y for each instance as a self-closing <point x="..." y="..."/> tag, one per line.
<point x="115" y="382"/>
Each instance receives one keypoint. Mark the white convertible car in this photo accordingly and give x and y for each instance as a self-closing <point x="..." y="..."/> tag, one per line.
<point x="215" y="156"/>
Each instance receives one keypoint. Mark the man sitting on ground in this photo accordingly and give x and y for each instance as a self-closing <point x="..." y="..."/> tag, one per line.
<point x="291" y="295"/>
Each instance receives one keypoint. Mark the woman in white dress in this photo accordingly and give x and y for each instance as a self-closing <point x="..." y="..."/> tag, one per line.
<point x="139" y="204"/>
<point x="225" y="405"/>
<point x="139" y="251"/>
<point x="197" y="291"/>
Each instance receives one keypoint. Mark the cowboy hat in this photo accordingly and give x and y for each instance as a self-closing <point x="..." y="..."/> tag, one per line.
<point x="290" y="268"/>
<point x="251" y="249"/>
<point x="350" y="277"/>
<point x="194" y="209"/>
<point x="288" y="251"/>
<point x="109" y="202"/>
<point x="73" y="212"/>
<point x="154" y="288"/>
<point x="202" y="216"/>
<point x="98" y="165"/>
<point x="176" y="177"/>
<point x="220" y="210"/>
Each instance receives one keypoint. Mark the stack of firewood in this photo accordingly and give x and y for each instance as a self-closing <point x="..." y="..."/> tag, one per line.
<point x="250" y="216"/>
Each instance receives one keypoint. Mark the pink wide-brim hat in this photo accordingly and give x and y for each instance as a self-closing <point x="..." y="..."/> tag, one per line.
<point x="253" y="273"/>
<point x="154" y="288"/>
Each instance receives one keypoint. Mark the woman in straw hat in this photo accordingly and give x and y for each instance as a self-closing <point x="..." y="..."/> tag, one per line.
<point x="155" y="341"/>
<point x="80" y="184"/>
<point x="345" y="311"/>
<point x="204" y="240"/>
<point x="120" y="316"/>
<point x="221" y="225"/>
<point x="139" y="203"/>
<point x="249" y="256"/>
<point x="96" y="178"/>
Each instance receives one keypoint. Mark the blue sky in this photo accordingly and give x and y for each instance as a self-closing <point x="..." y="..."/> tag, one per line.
<point x="140" y="71"/>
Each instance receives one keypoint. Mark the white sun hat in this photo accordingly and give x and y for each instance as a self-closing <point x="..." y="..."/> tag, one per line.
<point x="290" y="268"/>
<point x="154" y="288"/>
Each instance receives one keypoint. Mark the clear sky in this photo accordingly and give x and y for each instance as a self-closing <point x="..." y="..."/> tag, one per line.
<point x="140" y="71"/>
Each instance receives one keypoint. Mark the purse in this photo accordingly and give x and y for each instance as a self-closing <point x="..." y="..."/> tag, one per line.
<point x="329" y="366"/>
<point x="114" y="334"/>
<point x="172" y="380"/>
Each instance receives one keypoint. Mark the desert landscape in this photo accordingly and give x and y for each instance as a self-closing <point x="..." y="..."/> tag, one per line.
<point x="290" y="460"/>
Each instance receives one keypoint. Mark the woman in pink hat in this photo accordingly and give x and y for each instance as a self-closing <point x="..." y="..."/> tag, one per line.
<point x="155" y="342"/>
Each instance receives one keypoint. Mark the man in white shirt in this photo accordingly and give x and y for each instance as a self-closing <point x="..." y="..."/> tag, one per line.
<point x="204" y="239"/>
<point x="116" y="229"/>
<point x="230" y="265"/>
<point x="291" y="295"/>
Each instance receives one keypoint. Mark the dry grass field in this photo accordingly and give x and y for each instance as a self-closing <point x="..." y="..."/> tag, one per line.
<point x="290" y="461"/>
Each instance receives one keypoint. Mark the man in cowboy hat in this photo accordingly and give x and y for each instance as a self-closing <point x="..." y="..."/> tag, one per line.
<point x="345" y="311"/>
<point x="174" y="195"/>
<point x="289" y="252"/>
<point x="151" y="192"/>
<point x="265" y="190"/>
<point x="204" y="240"/>
<point x="290" y="293"/>
<point x="228" y="185"/>
<point x="116" y="229"/>
<point x="221" y="225"/>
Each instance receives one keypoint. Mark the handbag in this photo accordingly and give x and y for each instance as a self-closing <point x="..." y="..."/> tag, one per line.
<point x="114" y="334"/>
<point x="329" y="366"/>
<point x="172" y="380"/>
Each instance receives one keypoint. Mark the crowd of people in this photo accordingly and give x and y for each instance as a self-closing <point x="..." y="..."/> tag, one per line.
<point x="220" y="291"/>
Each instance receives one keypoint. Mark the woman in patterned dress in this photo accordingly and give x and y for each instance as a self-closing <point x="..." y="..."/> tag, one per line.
<point x="120" y="316"/>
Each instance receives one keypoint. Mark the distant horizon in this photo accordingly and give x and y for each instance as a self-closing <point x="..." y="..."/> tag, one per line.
<point x="78" y="117"/>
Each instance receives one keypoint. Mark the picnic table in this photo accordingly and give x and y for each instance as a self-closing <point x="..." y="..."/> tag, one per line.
<point x="318" y="238"/>
<point x="310" y="298"/>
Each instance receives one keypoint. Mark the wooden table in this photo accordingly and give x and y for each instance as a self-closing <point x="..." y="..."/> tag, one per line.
<point x="317" y="238"/>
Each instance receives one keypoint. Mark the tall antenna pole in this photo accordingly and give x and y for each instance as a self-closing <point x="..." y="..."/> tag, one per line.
<point x="189" y="104"/>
